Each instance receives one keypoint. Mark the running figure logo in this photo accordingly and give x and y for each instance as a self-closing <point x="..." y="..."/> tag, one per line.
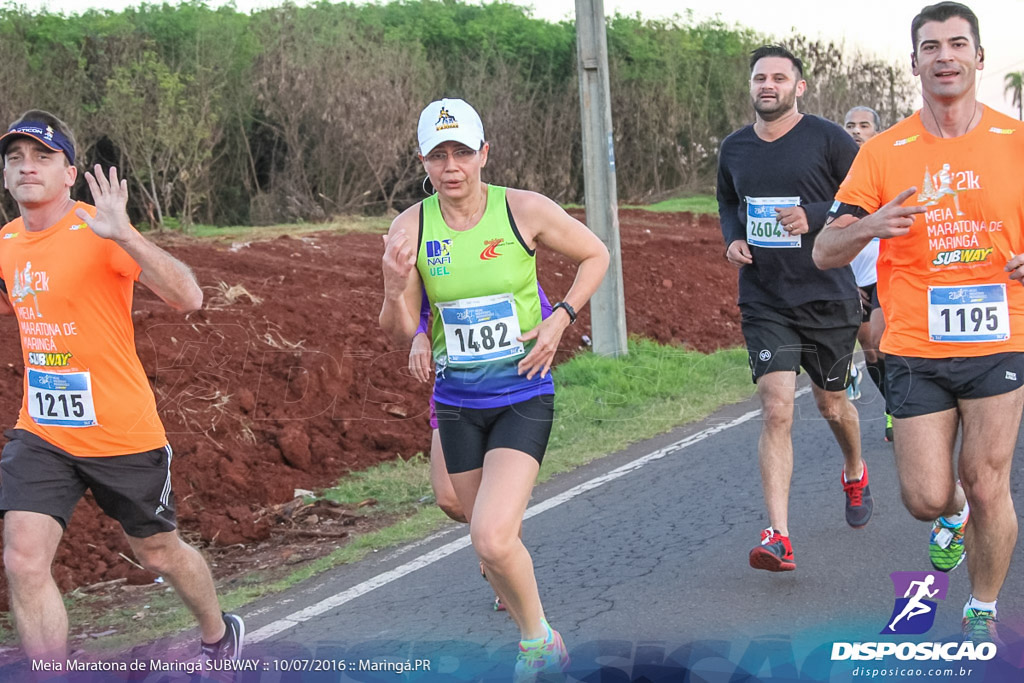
<point x="26" y="283"/>
<point x="914" y="613"/>
<point x="445" y="120"/>
<point x="937" y="186"/>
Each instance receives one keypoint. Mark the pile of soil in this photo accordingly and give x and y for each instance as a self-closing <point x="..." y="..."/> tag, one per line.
<point x="284" y="380"/>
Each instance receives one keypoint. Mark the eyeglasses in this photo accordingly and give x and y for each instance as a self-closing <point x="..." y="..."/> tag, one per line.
<point x="440" y="156"/>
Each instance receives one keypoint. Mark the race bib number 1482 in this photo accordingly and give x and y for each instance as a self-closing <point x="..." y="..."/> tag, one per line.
<point x="481" y="330"/>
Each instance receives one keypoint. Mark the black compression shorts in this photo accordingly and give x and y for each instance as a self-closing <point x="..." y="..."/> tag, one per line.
<point x="467" y="434"/>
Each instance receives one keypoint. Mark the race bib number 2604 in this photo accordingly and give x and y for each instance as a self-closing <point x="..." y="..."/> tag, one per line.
<point x="763" y="228"/>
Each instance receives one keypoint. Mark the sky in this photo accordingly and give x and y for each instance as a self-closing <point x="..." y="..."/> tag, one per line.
<point x="878" y="27"/>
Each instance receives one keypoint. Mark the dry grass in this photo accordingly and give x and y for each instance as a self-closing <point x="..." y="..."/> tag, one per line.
<point x="206" y="412"/>
<point x="225" y="295"/>
<point x="243" y="235"/>
<point x="274" y="339"/>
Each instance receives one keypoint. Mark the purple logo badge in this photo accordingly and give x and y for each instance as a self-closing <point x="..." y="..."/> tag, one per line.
<point x="916" y="593"/>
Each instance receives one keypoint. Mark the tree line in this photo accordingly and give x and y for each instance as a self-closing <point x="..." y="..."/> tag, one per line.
<point x="300" y="113"/>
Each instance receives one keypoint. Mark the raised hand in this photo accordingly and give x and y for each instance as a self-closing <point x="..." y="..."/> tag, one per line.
<point x="398" y="261"/>
<point x="893" y="219"/>
<point x="110" y="197"/>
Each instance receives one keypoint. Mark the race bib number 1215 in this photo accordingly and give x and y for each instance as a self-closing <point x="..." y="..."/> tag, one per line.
<point x="63" y="399"/>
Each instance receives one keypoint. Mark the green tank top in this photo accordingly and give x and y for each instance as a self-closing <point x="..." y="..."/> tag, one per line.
<point x="482" y="287"/>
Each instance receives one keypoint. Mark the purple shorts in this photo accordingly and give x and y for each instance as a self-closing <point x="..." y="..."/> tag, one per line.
<point x="433" y="412"/>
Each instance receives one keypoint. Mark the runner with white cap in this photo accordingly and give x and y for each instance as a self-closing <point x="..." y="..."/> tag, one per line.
<point x="472" y="247"/>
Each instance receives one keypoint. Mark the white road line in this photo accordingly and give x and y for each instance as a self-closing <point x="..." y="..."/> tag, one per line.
<point x="296" y="618"/>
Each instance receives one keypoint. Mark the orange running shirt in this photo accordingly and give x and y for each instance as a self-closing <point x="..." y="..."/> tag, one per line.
<point x="942" y="286"/>
<point x="85" y="389"/>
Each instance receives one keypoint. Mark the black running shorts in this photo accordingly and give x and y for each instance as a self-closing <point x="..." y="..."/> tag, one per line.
<point x="920" y="386"/>
<point x="467" y="434"/>
<point x="818" y="336"/>
<point x="135" y="489"/>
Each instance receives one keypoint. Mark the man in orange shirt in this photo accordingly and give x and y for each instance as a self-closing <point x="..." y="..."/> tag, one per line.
<point x="943" y="191"/>
<point x="88" y="419"/>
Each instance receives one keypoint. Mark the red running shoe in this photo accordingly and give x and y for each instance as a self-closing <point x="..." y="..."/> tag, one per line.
<point x="773" y="553"/>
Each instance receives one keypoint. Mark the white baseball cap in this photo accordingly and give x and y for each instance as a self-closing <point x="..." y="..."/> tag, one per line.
<point x="449" y="119"/>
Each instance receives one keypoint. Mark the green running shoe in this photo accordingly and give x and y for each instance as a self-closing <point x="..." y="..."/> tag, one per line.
<point x="539" y="657"/>
<point x="979" y="626"/>
<point x="946" y="545"/>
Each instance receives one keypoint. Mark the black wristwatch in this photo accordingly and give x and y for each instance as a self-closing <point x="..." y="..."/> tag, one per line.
<point x="568" y="309"/>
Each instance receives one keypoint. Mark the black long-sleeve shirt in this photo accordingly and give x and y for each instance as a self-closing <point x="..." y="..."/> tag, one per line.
<point x="809" y="162"/>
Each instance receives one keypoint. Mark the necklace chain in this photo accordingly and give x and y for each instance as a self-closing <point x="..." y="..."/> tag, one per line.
<point x="469" y="221"/>
<point x="938" y="125"/>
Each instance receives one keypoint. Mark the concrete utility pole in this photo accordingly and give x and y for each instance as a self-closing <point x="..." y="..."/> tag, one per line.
<point x="607" y="307"/>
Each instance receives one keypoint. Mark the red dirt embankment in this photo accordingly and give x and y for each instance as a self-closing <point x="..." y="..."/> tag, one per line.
<point x="283" y="380"/>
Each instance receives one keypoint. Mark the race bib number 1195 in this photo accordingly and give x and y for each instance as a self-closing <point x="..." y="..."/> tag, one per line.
<point x="970" y="313"/>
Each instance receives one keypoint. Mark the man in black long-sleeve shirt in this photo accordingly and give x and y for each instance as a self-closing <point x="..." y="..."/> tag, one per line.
<point x="777" y="178"/>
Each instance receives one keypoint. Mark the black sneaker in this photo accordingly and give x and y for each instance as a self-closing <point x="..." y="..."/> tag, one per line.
<point x="231" y="643"/>
<point x="858" y="500"/>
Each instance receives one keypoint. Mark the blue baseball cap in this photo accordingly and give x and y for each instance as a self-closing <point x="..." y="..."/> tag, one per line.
<point x="44" y="134"/>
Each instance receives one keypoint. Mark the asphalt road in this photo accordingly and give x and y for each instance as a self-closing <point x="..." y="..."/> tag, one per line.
<point x="645" y="574"/>
<point x="642" y="563"/>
